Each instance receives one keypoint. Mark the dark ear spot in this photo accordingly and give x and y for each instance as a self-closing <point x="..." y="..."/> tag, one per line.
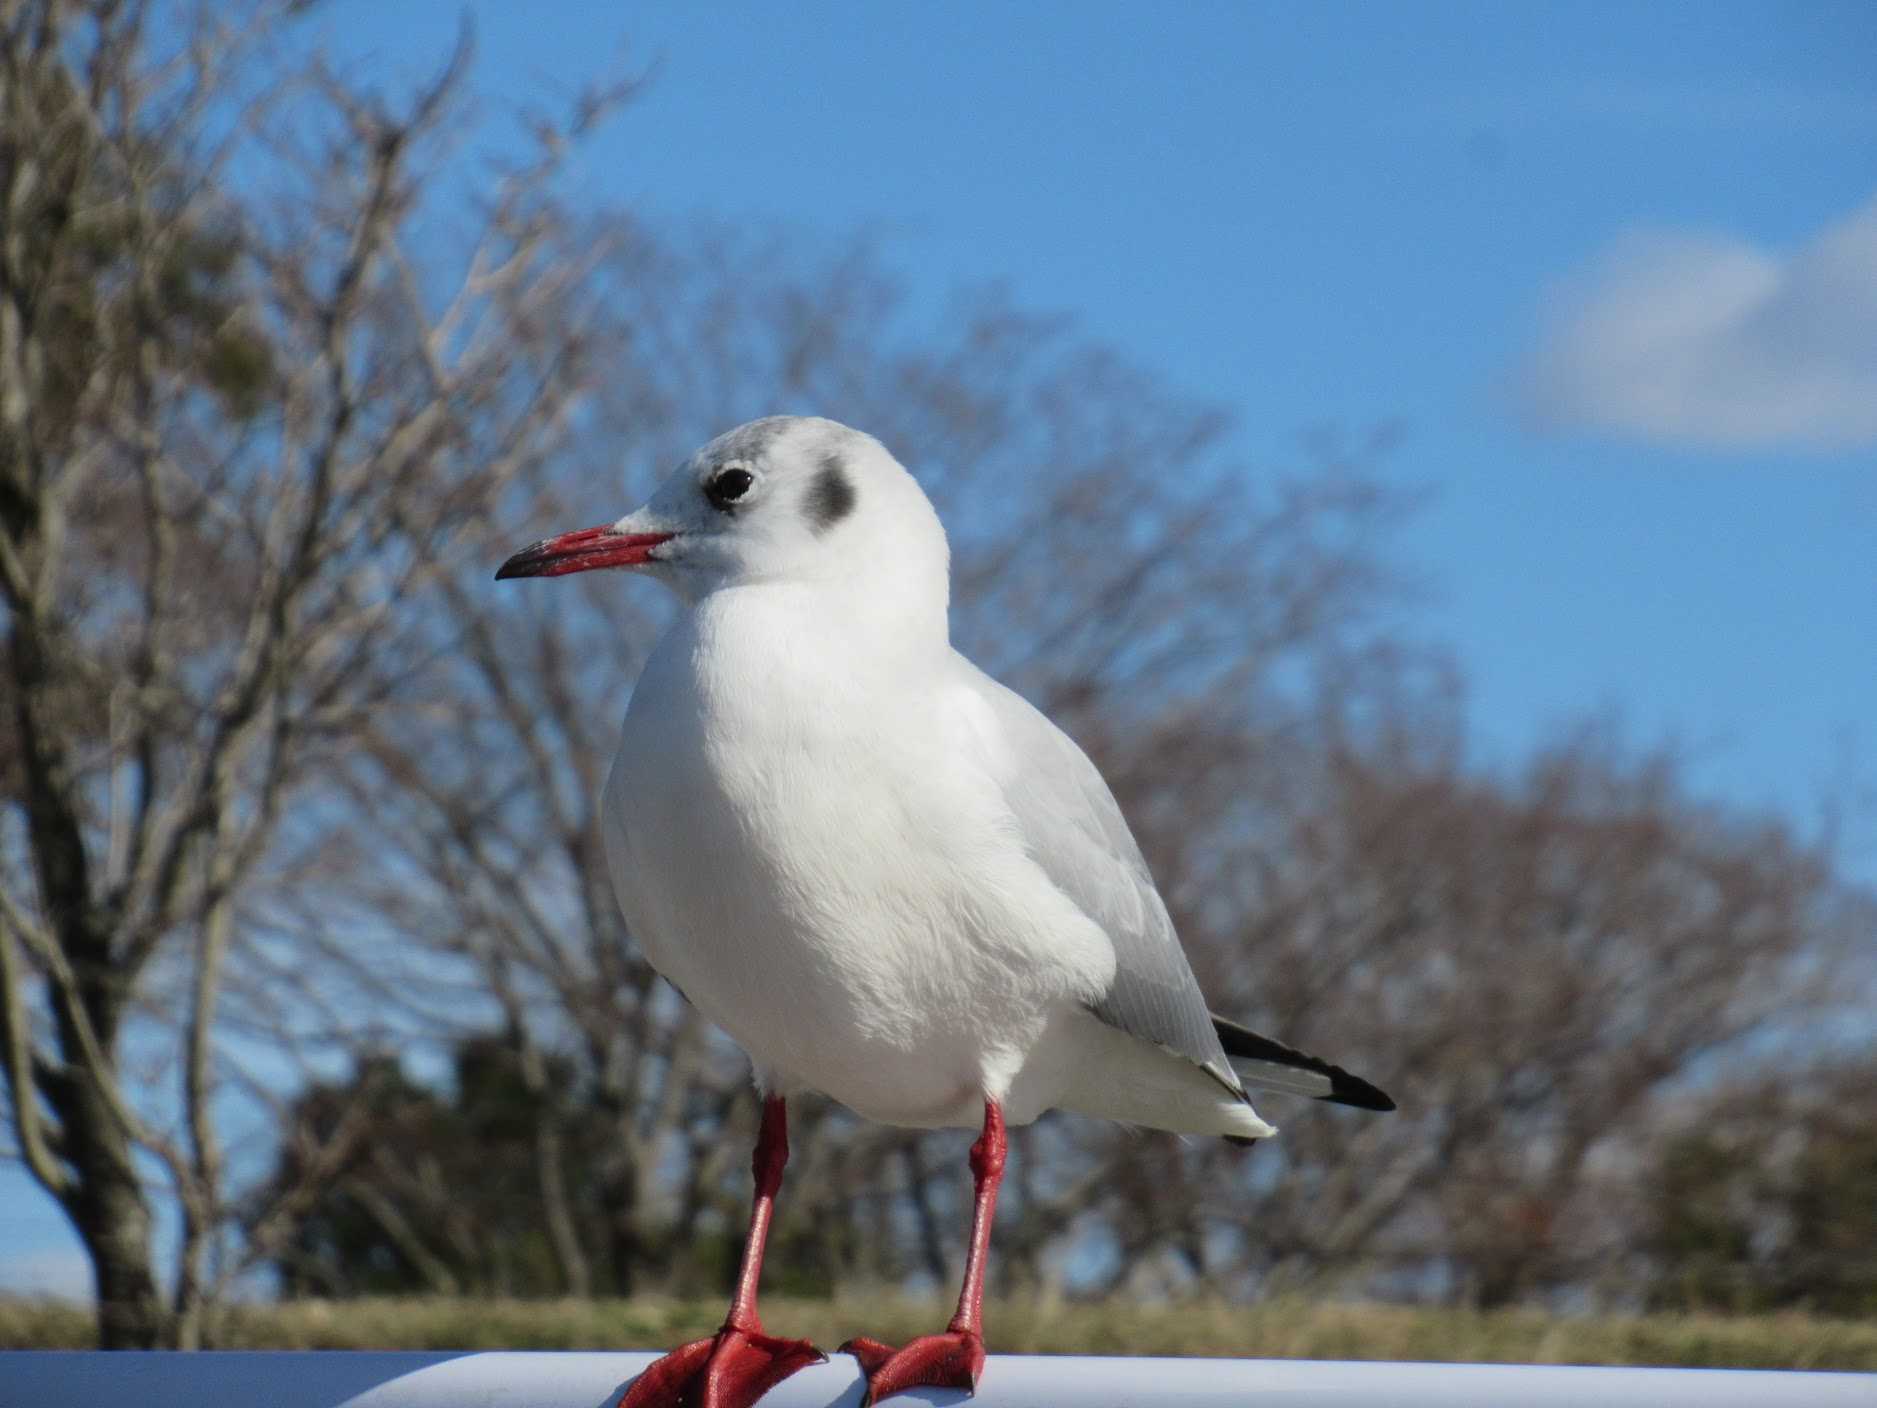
<point x="831" y="496"/>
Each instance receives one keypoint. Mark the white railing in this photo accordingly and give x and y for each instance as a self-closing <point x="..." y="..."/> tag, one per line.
<point x="334" y="1379"/>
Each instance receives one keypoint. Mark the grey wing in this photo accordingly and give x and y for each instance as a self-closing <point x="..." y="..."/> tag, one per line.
<point x="1073" y="829"/>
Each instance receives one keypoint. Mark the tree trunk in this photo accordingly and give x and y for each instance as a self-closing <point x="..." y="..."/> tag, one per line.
<point x="551" y="1180"/>
<point x="112" y="1218"/>
<point x="624" y="1236"/>
<point x="106" y="1201"/>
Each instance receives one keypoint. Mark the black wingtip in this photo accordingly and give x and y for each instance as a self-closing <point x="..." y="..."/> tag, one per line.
<point x="1345" y="1089"/>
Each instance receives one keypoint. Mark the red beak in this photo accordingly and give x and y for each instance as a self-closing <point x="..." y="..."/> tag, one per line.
<point x="582" y="552"/>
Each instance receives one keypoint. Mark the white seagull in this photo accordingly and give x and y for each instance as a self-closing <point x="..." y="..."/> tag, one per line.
<point x="888" y="877"/>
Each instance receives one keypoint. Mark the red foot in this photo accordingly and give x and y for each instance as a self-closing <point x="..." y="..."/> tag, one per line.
<point x="731" y="1369"/>
<point x="954" y="1359"/>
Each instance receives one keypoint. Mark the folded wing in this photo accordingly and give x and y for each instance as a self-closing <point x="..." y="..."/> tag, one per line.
<point x="1073" y="830"/>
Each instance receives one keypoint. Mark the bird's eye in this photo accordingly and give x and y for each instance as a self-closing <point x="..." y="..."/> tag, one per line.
<point x="726" y="487"/>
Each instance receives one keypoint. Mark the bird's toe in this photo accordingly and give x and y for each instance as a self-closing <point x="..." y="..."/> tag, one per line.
<point x="731" y="1369"/>
<point x="954" y="1359"/>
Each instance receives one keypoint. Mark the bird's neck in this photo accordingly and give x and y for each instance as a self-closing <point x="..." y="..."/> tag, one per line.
<point x="881" y="621"/>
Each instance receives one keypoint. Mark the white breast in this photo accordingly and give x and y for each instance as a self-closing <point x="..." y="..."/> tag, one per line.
<point x="810" y="849"/>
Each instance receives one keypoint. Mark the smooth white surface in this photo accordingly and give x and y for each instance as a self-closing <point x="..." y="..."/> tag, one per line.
<point x="501" y="1380"/>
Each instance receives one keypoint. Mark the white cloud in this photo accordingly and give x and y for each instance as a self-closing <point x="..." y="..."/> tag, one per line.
<point x="1699" y="339"/>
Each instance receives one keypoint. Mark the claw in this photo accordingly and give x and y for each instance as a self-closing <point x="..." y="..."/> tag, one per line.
<point x="731" y="1369"/>
<point x="954" y="1359"/>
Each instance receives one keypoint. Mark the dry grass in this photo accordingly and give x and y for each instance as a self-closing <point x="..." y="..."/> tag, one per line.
<point x="1284" y="1330"/>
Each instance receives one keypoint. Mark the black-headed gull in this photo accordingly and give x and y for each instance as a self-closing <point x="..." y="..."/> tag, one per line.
<point x="888" y="877"/>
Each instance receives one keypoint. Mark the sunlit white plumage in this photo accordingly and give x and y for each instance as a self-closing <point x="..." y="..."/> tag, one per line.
<point x="889" y="878"/>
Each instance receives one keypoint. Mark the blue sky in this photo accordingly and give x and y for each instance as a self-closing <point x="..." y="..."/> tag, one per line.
<point x="1469" y="220"/>
<point x="1613" y="270"/>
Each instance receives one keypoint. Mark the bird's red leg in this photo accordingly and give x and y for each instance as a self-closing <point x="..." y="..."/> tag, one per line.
<point x="740" y="1363"/>
<point x="954" y="1359"/>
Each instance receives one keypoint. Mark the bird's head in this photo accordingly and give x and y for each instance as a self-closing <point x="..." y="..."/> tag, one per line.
<point x="792" y="499"/>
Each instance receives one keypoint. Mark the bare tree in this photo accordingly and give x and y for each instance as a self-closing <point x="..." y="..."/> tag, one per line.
<point x="237" y="432"/>
<point x="1540" y="969"/>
